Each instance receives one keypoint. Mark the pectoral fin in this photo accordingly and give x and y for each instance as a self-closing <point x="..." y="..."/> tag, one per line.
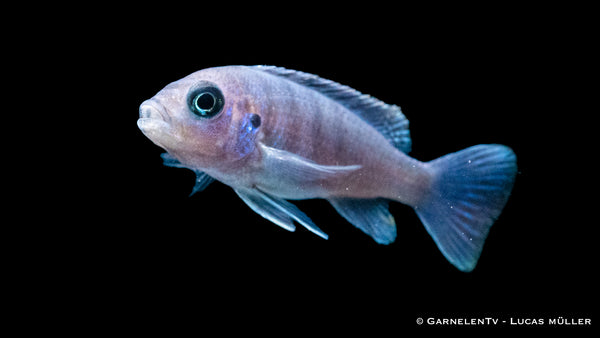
<point x="277" y="210"/>
<point x="170" y="161"/>
<point x="202" y="179"/>
<point x="369" y="215"/>
<point x="299" y="169"/>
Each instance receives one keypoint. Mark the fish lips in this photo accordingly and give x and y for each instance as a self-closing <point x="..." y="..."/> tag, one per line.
<point x="151" y="109"/>
<point x="154" y="122"/>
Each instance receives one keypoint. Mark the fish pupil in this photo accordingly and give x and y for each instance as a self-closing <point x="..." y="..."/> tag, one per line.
<point x="205" y="102"/>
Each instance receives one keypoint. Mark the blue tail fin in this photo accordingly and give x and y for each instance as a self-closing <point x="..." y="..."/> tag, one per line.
<point x="469" y="190"/>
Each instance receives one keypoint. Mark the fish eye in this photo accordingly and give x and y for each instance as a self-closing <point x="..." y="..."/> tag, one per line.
<point x="206" y="101"/>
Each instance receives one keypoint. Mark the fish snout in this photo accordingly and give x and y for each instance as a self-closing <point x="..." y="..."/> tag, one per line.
<point x="150" y="109"/>
<point x="154" y="121"/>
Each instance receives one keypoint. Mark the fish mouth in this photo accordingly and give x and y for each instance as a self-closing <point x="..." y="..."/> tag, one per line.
<point x="154" y="122"/>
<point x="151" y="109"/>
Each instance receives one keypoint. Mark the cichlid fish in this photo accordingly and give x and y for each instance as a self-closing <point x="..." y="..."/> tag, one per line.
<point x="274" y="134"/>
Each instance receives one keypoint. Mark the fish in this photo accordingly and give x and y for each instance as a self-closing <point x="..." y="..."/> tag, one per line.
<point x="275" y="135"/>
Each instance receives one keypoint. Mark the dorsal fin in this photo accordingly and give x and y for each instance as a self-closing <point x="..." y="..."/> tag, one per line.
<point x="387" y="119"/>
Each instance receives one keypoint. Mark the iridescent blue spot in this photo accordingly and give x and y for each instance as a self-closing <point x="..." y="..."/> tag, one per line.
<point x="248" y="129"/>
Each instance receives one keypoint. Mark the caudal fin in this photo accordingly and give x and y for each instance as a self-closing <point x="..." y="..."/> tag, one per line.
<point x="469" y="190"/>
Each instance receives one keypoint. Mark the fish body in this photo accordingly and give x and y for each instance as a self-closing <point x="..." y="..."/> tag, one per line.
<point x="274" y="135"/>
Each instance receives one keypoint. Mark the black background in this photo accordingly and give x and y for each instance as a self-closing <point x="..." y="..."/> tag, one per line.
<point x="144" y="254"/>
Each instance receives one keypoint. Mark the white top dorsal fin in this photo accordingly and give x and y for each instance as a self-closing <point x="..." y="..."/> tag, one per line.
<point x="387" y="119"/>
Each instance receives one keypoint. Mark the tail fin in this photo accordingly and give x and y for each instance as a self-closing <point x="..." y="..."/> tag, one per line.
<point x="469" y="190"/>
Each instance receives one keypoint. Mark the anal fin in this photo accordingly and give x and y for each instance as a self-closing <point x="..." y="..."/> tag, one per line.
<point x="369" y="215"/>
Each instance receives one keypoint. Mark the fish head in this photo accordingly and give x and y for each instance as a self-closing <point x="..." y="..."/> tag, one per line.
<point x="205" y="120"/>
